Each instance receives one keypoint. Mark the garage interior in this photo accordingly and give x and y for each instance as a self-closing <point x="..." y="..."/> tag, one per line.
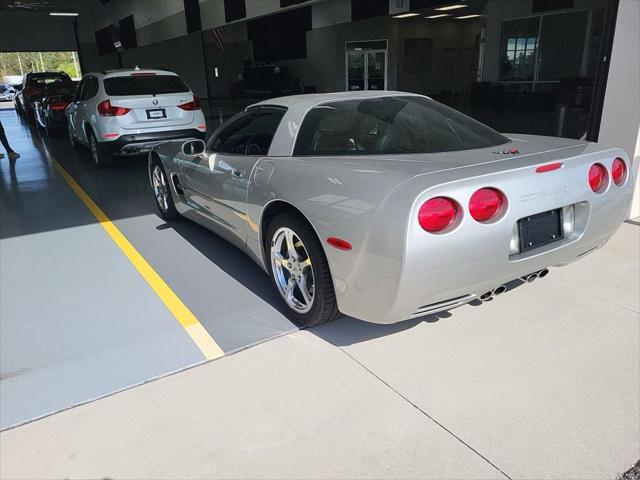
<point x="100" y="377"/>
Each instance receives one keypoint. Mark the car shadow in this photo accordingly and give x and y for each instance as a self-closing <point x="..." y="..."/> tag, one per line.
<point x="226" y="256"/>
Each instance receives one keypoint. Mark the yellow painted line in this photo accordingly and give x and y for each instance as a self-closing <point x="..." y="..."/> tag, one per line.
<point x="207" y="345"/>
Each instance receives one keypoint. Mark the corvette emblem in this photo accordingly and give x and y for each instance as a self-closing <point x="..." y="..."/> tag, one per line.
<point x="155" y="102"/>
<point x="511" y="151"/>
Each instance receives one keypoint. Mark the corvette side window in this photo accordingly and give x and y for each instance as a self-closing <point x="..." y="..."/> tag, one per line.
<point x="249" y="134"/>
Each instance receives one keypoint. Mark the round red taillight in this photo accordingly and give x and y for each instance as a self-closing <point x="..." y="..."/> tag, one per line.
<point x="437" y="214"/>
<point x="597" y="177"/>
<point x="485" y="204"/>
<point x="618" y="171"/>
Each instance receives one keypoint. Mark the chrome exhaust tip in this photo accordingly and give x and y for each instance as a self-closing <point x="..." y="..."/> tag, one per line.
<point x="499" y="290"/>
<point x="529" y="278"/>
<point x="543" y="273"/>
<point x="485" y="297"/>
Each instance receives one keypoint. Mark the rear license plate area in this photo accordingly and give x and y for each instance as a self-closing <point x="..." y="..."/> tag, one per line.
<point x="541" y="229"/>
<point x="156" y="113"/>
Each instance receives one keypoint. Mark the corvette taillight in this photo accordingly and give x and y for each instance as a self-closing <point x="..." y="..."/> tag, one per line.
<point x="597" y="177"/>
<point x="438" y="213"/>
<point x="192" y="105"/>
<point x="618" y="171"/>
<point x="105" y="109"/>
<point x="486" y="204"/>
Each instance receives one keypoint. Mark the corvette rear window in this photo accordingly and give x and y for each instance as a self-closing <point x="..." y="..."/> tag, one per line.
<point x="144" y="85"/>
<point x="388" y="125"/>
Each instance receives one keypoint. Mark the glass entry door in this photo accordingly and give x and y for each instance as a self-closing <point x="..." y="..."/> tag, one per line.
<point x="366" y="69"/>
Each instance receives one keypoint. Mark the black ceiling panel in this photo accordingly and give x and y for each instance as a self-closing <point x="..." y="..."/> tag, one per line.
<point x="363" y="9"/>
<point x="234" y="10"/>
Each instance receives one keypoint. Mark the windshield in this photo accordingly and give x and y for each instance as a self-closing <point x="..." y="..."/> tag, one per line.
<point x="378" y="126"/>
<point x="144" y="85"/>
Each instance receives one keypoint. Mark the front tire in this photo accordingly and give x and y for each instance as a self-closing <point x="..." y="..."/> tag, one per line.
<point x="299" y="271"/>
<point x="162" y="192"/>
<point x="72" y="140"/>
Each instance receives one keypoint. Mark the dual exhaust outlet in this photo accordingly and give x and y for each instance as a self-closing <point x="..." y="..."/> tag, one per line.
<point x="485" y="297"/>
<point x="532" y="276"/>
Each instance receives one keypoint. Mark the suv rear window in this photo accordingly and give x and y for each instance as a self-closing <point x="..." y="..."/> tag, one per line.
<point x="48" y="78"/>
<point x="388" y="125"/>
<point x="144" y="85"/>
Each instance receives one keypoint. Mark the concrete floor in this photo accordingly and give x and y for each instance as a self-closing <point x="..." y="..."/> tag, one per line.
<point x="544" y="382"/>
<point x="78" y="321"/>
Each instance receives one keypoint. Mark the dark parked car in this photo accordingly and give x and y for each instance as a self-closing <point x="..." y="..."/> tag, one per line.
<point x="50" y="109"/>
<point x="34" y="85"/>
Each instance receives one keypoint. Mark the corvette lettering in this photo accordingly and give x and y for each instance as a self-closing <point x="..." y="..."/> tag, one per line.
<point x="547" y="194"/>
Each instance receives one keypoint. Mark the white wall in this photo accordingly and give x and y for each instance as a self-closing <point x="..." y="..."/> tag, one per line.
<point x="620" y="125"/>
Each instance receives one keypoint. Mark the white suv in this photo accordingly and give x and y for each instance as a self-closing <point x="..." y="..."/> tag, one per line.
<point x="128" y="112"/>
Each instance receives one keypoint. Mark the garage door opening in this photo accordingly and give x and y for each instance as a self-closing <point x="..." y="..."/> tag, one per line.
<point x="13" y="65"/>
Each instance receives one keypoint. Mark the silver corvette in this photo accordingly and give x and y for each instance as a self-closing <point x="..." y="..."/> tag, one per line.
<point x="387" y="205"/>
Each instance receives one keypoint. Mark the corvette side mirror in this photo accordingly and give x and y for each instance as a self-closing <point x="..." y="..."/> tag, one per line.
<point x="193" y="147"/>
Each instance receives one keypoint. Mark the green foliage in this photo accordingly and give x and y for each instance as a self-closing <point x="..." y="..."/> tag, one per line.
<point x="19" y="63"/>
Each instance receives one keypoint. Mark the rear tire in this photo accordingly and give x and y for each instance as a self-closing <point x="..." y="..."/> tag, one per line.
<point x="304" y="268"/>
<point x="96" y="155"/>
<point x="162" y="192"/>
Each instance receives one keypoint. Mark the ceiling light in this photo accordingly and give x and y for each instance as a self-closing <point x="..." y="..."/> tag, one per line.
<point x="439" y="16"/>
<point x="406" y="15"/>
<point x="467" y="16"/>
<point x="452" y="7"/>
<point x="63" y="14"/>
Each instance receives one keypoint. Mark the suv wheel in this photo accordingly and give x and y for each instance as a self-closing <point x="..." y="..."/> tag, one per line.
<point x="72" y="140"/>
<point x="97" y="156"/>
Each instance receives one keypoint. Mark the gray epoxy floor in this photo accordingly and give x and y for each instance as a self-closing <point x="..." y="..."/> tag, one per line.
<point x="78" y="321"/>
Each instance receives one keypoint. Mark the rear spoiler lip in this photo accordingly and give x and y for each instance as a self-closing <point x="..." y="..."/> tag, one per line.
<point x="511" y="157"/>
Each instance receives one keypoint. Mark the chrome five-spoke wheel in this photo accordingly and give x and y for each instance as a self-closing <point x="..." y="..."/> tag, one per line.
<point x="160" y="189"/>
<point x="292" y="270"/>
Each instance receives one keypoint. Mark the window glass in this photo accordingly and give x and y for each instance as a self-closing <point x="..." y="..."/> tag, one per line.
<point x="518" y="43"/>
<point x="249" y="134"/>
<point x="43" y="79"/>
<point x="80" y="89"/>
<point x="562" y="44"/>
<point x="390" y="125"/>
<point x="91" y="88"/>
<point x="144" y="85"/>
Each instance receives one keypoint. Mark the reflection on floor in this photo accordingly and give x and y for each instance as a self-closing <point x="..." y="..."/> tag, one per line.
<point x="77" y="319"/>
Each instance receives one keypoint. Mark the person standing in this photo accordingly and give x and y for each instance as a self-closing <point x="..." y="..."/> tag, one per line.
<point x="5" y="143"/>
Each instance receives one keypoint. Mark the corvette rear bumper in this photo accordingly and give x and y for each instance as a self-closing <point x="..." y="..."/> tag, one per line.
<point x="435" y="272"/>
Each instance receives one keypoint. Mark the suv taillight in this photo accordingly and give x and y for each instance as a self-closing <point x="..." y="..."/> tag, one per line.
<point x="57" y="106"/>
<point x="105" y="109"/>
<point x="618" y="171"/>
<point x="192" y="105"/>
<point x="438" y="213"/>
<point x="485" y="204"/>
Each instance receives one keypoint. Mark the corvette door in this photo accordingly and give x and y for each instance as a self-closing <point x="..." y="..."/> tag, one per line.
<point x="217" y="181"/>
